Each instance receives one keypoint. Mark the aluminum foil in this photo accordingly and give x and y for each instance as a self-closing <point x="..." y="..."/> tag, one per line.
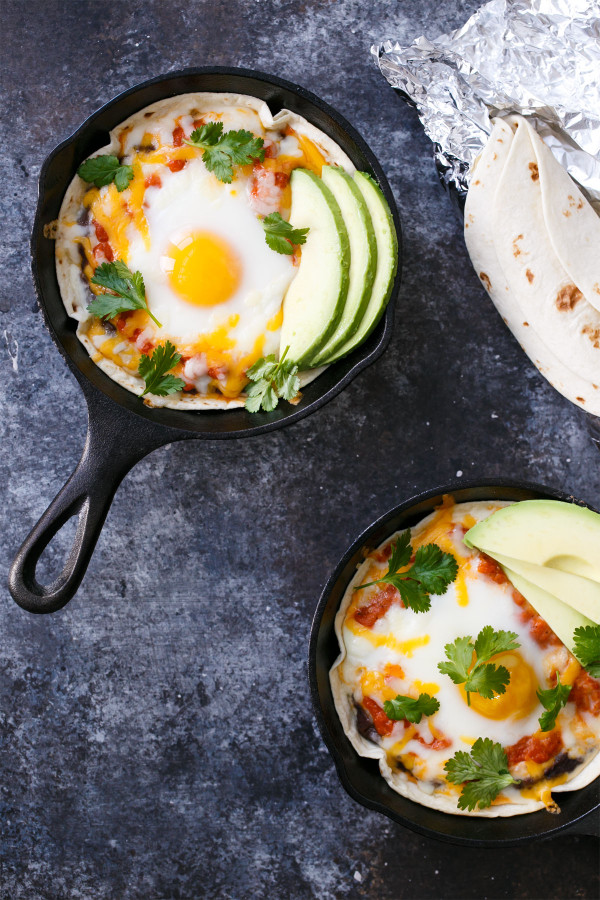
<point x="539" y="58"/>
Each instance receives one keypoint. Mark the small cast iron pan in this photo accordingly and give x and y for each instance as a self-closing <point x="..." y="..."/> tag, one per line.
<point x="121" y="429"/>
<point x="580" y="810"/>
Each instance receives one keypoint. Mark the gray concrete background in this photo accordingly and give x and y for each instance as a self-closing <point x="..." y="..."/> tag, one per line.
<point x="156" y="736"/>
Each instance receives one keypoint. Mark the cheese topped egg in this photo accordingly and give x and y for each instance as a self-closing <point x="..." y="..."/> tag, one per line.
<point x="389" y="650"/>
<point x="194" y="232"/>
<point x="207" y="267"/>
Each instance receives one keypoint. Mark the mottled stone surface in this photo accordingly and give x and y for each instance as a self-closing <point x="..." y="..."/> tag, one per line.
<point x="157" y="738"/>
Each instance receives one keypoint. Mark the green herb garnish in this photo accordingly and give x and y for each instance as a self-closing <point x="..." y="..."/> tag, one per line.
<point x="483" y="772"/>
<point x="553" y="701"/>
<point x="221" y="151"/>
<point x="431" y="573"/>
<point x="587" y="648"/>
<point x="402" y="707"/>
<point x="281" y="236"/>
<point x="153" y="370"/>
<point x="101" y="170"/>
<point x="272" y="380"/>
<point x="127" y="291"/>
<point x="481" y="677"/>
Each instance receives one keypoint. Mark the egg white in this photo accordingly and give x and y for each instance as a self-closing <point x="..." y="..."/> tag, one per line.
<point x="194" y="200"/>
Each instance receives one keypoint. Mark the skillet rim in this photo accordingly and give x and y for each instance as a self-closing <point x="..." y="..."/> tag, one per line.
<point x="210" y="424"/>
<point x="412" y="819"/>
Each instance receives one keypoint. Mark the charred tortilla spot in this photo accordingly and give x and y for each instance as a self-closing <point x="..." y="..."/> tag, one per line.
<point x="581" y="400"/>
<point x="568" y="297"/>
<point x="593" y="334"/>
<point x="566" y="213"/>
<point x="529" y="275"/>
<point x="516" y="249"/>
<point x="596" y="288"/>
<point x="485" y="280"/>
<point x="526" y="324"/>
<point x="535" y="173"/>
<point x="477" y="182"/>
<point x="148" y="115"/>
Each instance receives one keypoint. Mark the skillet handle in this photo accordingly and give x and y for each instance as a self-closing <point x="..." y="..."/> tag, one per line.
<point x="115" y="442"/>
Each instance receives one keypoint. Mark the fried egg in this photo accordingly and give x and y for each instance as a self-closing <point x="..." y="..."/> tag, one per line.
<point x="390" y="650"/>
<point x="207" y="267"/>
<point x="211" y="280"/>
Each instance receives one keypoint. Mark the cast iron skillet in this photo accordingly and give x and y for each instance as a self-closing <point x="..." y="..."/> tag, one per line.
<point x="360" y="777"/>
<point x="121" y="430"/>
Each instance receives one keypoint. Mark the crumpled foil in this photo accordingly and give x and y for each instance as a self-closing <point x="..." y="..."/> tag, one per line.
<point x="539" y="58"/>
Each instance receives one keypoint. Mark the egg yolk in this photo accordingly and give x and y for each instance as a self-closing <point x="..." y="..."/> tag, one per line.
<point x="518" y="700"/>
<point x="203" y="269"/>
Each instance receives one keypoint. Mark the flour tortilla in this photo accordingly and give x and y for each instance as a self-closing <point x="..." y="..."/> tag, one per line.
<point x="547" y="296"/>
<point x="573" y="225"/>
<point x="400" y="781"/>
<point x="486" y="201"/>
<point x="73" y="287"/>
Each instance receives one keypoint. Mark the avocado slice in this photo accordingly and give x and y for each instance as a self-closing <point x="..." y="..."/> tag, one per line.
<point x="314" y="302"/>
<point x="387" y="262"/>
<point x="581" y="594"/>
<point x="363" y="258"/>
<point x="547" y="533"/>
<point x="562" y="619"/>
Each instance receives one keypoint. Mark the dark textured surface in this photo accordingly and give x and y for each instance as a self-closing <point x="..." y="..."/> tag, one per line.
<point x="156" y="736"/>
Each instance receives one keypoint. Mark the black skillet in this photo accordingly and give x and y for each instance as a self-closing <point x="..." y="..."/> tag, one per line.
<point x="580" y="810"/>
<point x="121" y="429"/>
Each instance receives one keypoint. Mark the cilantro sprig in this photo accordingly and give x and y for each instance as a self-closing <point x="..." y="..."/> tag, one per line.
<point x="272" y="380"/>
<point x="221" y="151"/>
<point x="101" y="170"/>
<point x="483" y="773"/>
<point x="153" y="370"/>
<point x="408" y="708"/>
<point x="127" y="291"/>
<point x="281" y="236"/>
<point x="553" y="701"/>
<point x="480" y="677"/>
<point x="587" y="648"/>
<point x="431" y="573"/>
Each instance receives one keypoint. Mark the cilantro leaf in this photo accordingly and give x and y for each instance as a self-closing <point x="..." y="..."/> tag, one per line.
<point x="101" y="170"/>
<point x="432" y="572"/>
<point x="153" y="370"/>
<point x="490" y="642"/>
<point x="460" y="656"/>
<point x="127" y="291"/>
<point x="401" y="552"/>
<point x="412" y="593"/>
<point x="587" y="648"/>
<point x="206" y="136"/>
<point x="408" y="708"/>
<point x="221" y="151"/>
<point x="553" y="701"/>
<point x="272" y="380"/>
<point x="281" y="236"/>
<point x="488" y="680"/>
<point x="483" y="773"/>
<point x="434" y="568"/>
<point x="480" y="676"/>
